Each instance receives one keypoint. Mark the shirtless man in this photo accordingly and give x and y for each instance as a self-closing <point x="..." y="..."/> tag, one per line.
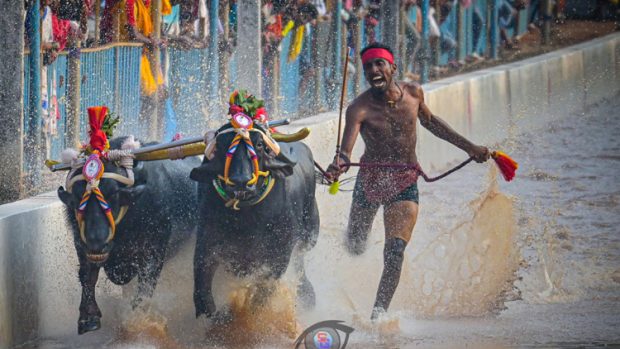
<point x="386" y="115"/>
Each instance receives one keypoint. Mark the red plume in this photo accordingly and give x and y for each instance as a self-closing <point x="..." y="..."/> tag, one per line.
<point x="260" y="114"/>
<point x="506" y="165"/>
<point x="96" y="116"/>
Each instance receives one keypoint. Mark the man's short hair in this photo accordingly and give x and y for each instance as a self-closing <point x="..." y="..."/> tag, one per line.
<point x="376" y="45"/>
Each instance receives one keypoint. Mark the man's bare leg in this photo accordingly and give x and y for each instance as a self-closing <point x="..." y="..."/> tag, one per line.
<point x="399" y="220"/>
<point x="360" y="222"/>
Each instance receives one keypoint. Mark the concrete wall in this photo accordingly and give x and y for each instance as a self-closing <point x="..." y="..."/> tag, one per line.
<point x="39" y="289"/>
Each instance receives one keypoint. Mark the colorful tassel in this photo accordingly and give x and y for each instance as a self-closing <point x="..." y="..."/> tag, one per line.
<point x="506" y="165"/>
<point x="298" y="40"/>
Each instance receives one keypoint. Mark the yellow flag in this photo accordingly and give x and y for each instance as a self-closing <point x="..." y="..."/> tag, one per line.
<point x="149" y="86"/>
<point x="287" y="28"/>
<point x="166" y="8"/>
<point x="298" y="40"/>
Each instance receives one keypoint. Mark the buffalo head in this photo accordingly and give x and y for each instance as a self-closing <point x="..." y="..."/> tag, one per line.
<point x="99" y="206"/>
<point x="241" y="157"/>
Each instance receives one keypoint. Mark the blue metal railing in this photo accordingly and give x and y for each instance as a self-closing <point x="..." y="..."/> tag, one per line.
<point x="188" y="88"/>
<point x="110" y="76"/>
<point x="127" y="88"/>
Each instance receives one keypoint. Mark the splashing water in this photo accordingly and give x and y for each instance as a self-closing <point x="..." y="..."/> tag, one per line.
<point x="466" y="270"/>
<point x="146" y="326"/>
<point x="268" y="323"/>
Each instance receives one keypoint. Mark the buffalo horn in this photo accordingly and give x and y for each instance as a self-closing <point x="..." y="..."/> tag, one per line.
<point x="293" y="137"/>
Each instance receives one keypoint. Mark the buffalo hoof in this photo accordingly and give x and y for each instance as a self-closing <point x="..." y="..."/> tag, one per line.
<point x="90" y="323"/>
<point x="222" y="317"/>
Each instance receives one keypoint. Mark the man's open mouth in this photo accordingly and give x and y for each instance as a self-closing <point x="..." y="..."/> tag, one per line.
<point x="378" y="82"/>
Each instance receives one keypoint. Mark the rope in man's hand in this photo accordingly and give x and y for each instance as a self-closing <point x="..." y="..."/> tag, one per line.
<point x="505" y="164"/>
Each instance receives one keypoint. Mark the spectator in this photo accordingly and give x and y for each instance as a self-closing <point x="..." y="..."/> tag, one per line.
<point x="134" y="23"/>
<point x="75" y="11"/>
<point x="533" y="22"/>
<point x="413" y="37"/>
<point x="373" y="13"/>
<point x="477" y="25"/>
<point x="352" y="12"/>
<point x="280" y="18"/>
<point x="446" y="39"/>
<point x="447" y="43"/>
<point x="49" y="49"/>
<point x="506" y="15"/>
<point x="185" y="27"/>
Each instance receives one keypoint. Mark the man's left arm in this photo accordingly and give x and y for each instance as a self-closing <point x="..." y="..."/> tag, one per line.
<point x="441" y="129"/>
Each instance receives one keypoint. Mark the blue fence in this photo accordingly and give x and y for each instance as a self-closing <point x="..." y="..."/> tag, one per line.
<point x="110" y="76"/>
<point x="188" y="89"/>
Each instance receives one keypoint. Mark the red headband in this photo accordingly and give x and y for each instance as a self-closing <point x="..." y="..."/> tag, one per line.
<point x="375" y="53"/>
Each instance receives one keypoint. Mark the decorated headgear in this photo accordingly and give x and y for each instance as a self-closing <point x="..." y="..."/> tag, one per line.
<point x="377" y="52"/>
<point x="101" y="127"/>
<point x="98" y="138"/>
<point x="241" y="101"/>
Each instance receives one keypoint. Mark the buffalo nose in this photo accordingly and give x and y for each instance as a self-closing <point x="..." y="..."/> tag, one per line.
<point x="96" y="246"/>
<point x="240" y="180"/>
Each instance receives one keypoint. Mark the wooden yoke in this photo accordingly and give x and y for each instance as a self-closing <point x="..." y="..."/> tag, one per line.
<point x="190" y="146"/>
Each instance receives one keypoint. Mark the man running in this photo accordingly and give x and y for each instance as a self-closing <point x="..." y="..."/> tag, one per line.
<point x="386" y="115"/>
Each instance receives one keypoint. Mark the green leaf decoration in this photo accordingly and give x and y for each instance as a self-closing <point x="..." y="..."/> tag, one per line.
<point x="109" y="124"/>
<point x="248" y="102"/>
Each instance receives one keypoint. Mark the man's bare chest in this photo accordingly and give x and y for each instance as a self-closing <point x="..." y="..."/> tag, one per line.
<point x="393" y="122"/>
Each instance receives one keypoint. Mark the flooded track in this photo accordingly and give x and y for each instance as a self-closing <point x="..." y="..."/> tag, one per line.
<point x="530" y="263"/>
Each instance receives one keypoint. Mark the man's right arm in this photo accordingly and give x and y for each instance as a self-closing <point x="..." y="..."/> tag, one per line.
<point x="353" y="123"/>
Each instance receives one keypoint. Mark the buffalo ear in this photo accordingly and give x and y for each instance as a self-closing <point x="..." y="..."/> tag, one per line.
<point x="282" y="165"/>
<point x="66" y="197"/>
<point x="138" y="166"/>
<point x="202" y="173"/>
<point x="130" y="195"/>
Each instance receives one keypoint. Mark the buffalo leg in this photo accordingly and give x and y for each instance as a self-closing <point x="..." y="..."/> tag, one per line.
<point x="267" y="286"/>
<point x="262" y="293"/>
<point x="305" y="290"/>
<point x="205" y="265"/>
<point x="311" y="223"/>
<point x="148" y="274"/>
<point x="90" y="315"/>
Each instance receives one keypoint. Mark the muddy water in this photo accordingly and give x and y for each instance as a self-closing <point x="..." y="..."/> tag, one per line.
<point x="531" y="263"/>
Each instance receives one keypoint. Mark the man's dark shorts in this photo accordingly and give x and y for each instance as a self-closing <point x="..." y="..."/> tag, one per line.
<point x="409" y="194"/>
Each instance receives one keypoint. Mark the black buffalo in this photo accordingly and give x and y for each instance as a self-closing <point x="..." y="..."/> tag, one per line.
<point x="250" y="229"/>
<point x="160" y="208"/>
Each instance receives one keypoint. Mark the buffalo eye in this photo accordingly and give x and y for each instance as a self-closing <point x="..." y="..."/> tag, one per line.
<point x="260" y="147"/>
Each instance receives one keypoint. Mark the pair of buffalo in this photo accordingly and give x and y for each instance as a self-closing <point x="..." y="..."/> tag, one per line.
<point x="253" y="205"/>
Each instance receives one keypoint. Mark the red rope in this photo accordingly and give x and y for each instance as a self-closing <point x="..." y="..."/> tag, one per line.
<point x="415" y="167"/>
